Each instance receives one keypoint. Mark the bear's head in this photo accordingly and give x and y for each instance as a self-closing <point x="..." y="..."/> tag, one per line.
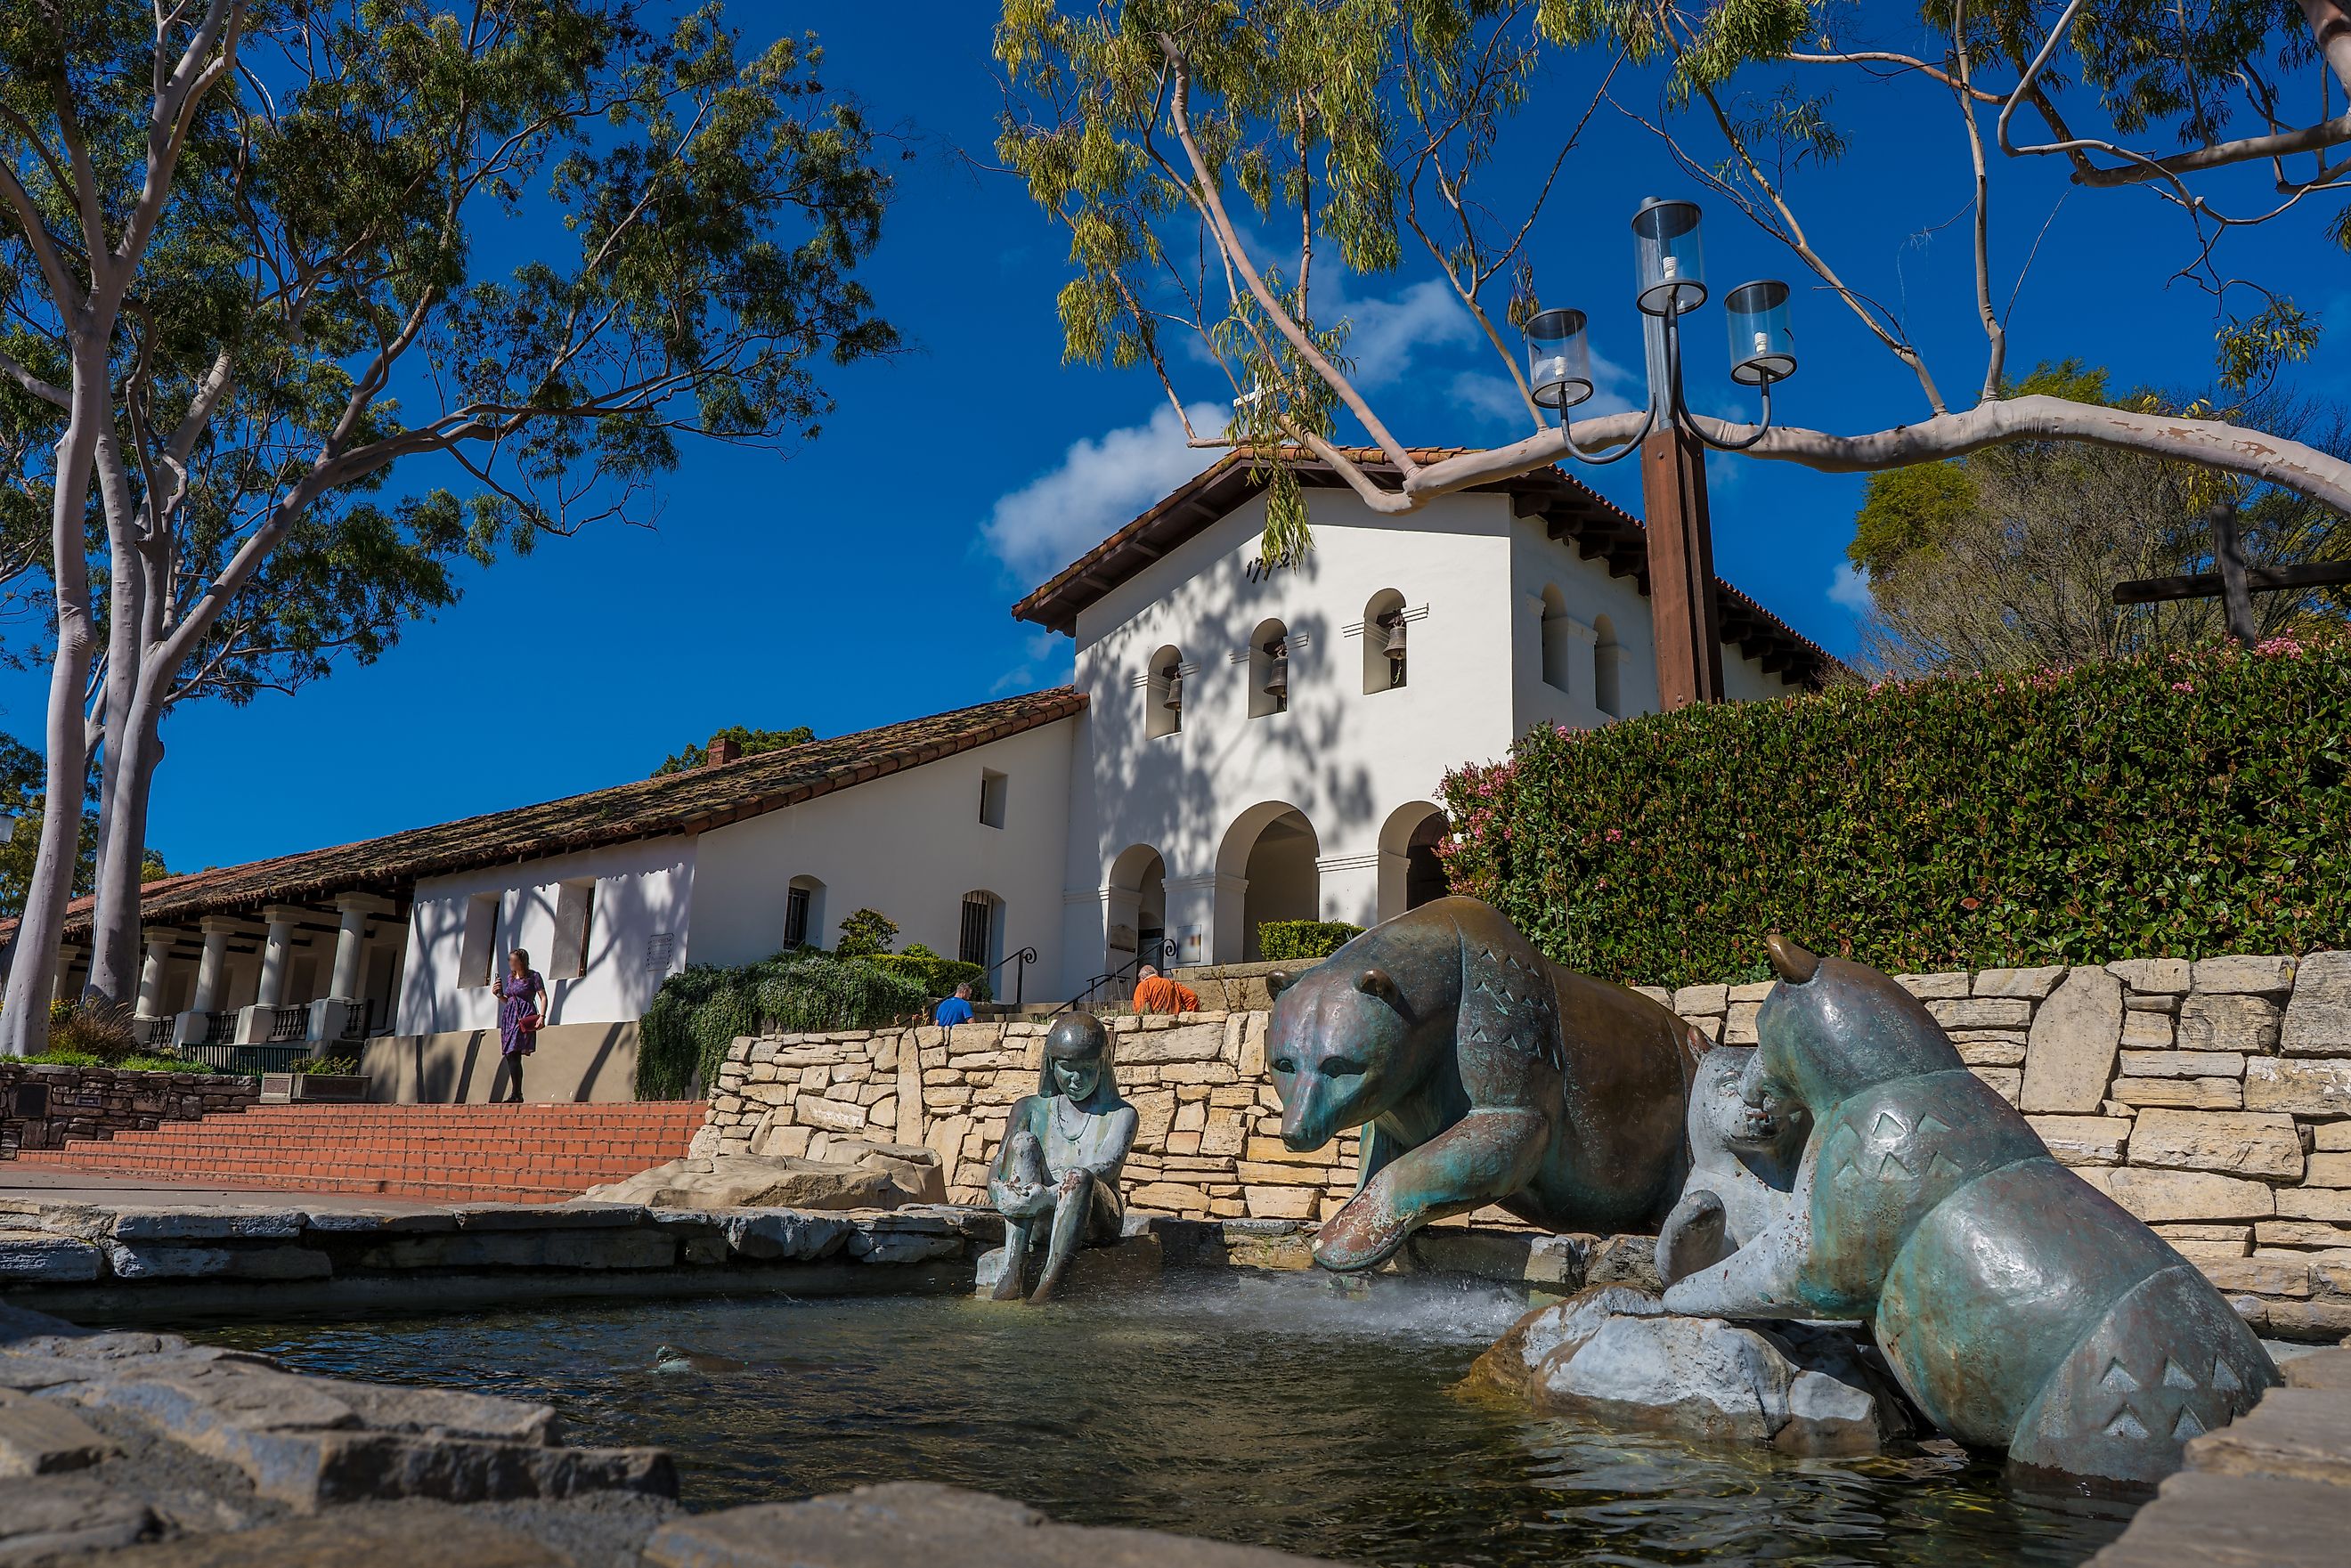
<point x="1342" y="1048"/>
<point x="1773" y="1126"/>
<point x="1831" y="1028"/>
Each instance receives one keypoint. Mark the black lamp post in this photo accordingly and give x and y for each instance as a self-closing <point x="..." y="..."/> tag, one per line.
<point x="1670" y="274"/>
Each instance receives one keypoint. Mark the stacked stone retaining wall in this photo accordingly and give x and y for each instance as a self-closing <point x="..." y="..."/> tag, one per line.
<point x="2211" y="1097"/>
<point x="41" y="1105"/>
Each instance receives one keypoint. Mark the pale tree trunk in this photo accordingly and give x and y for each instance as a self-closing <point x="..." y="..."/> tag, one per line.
<point x="114" y="927"/>
<point x="33" y="968"/>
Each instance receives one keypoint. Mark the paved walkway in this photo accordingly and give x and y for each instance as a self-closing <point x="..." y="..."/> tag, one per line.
<point x="24" y="1188"/>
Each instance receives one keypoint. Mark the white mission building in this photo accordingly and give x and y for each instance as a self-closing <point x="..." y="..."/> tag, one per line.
<point x="1239" y="745"/>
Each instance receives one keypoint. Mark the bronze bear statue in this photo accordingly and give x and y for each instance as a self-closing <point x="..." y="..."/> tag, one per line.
<point x="2019" y="1306"/>
<point x="1480" y="1072"/>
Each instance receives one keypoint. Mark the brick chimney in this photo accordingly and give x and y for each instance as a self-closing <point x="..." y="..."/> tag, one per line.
<point x="723" y="748"/>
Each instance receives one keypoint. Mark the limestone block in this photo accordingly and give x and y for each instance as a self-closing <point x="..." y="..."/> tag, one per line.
<point x="2168" y="976"/>
<point x="1155" y="1114"/>
<point x="2243" y="1143"/>
<point x="1280" y="1202"/>
<point x="1224" y="1136"/>
<point x="2181" y="1093"/>
<point x="1252" y="1057"/>
<point x="2263" y="1275"/>
<point x="831" y="1114"/>
<point x="1933" y="987"/>
<point x="1711" y="1028"/>
<point x="1191" y="1118"/>
<point x="1738" y="1028"/>
<point x="2318" y="1019"/>
<point x="2155" y="1196"/>
<point x="597" y="1249"/>
<point x="206" y="1224"/>
<point x="2031" y="984"/>
<point x="787" y="1139"/>
<point x="74" y="1514"/>
<point x="2242" y="973"/>
<point x="901" y="1247"/>
<point x="2179" y="1063"/>
<point x="815" y="1077"/>
<point x="1992" y="1053"/>
<point x="2307" y="1087"/>
<point x="150" y="1262"/>
<point x="883" y="1114"/>
<point x="1183" y="1142"/>
<point x="2142" y="1002"/>
<point x="31" y="1257"/>
<point x="2083" y="1140"/>
<point x="2228" y="1022"/>
<point x="2008" y="1082"/>
<point x="2145" y="1031"/>
<point x="1190" y="1042"/>
<point x="1692" y="1001"/>
<point x="1982" y="1012"/>
<point x="2301" y="1233"/>
<point x="1168" y="1197"/>
<point x="2332" y="1168"/>
<point x="1754" y="991"/>
<point x="2076" y="1035"/>
<point x="2200" y="1243"/>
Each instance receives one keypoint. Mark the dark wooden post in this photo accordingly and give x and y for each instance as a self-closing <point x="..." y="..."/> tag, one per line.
<point x="2229" y="555"/>
<point x="1681" y="569"/>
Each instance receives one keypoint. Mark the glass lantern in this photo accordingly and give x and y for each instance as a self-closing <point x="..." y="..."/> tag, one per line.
<point x="1671" y="266"/>
<point x="1558" y="359"/>
<point x="1762" y="344"/>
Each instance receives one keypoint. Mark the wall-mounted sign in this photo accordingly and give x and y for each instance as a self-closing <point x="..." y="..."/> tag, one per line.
<point x="660" y="948"/>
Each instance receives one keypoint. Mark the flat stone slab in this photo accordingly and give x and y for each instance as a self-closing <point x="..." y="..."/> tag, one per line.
<point x="50" y="1516"/>
<point x="2298" y="1434"/>
<point x="2204" y="1520"/>
<point x="40" y="1437"/>
<point x="914" y="1522"/>
<point x="2319" y="1369"/>
<point x="350" y="1540"/>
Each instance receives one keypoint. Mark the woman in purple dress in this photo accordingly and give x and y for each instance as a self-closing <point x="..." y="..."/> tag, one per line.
<point x="522" y="1006"/>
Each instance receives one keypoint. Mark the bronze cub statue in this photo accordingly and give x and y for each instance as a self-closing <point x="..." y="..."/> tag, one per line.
<point x="1481" y="1072"/>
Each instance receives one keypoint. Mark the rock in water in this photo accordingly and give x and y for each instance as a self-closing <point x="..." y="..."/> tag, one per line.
<point x="669" y="1358"/>
<point x="1613" y="1353"/>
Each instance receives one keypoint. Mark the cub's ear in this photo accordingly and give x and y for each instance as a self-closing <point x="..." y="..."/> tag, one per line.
<point x="1376" y="983"/>
<point x="1278" y="981"/>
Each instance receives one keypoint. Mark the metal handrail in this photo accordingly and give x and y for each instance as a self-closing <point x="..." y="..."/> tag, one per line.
<point x="1124" y="971"/>
<point x="1027" y="955"/>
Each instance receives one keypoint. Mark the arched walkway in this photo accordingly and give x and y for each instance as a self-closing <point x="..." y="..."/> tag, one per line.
<point x="1409" y="874"/>
<point x="1265" y="870"/>
<point x="1134" y="913"/>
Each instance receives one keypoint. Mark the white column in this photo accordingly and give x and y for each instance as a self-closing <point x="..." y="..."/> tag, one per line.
<point x="1205" y="907"/>
<point x="276" y="952"/>
<point x="57" y="991"/>
<point x="1350" y="888"/>
<point x="151" y="972"/>
<point x="212" y="969"/>
<point x="350" y="940"/>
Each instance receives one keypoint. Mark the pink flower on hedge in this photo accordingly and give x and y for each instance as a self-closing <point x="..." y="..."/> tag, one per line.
<point x="2284" y="644"/>
<point x="2183" y="685"/>
<point x="1614" y="834"/>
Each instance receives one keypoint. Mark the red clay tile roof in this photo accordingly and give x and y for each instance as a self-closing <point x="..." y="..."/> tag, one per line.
<point x="1571" y="510"/>
<point x="688" y="803"/>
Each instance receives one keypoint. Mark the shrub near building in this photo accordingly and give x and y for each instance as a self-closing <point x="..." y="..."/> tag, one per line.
<point x="2181" y="806"/>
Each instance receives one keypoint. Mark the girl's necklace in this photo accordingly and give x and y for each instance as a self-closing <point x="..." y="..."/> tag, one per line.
<point x="1069" y="1134"/>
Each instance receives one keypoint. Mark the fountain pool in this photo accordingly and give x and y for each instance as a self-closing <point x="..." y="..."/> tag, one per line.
<point x="1267" y="1409"/>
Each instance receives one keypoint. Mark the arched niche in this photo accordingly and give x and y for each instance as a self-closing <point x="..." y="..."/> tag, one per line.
<point x="1384" y="617"/>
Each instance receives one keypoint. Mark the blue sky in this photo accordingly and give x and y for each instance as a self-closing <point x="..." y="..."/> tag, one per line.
<point x="868" y="577"/>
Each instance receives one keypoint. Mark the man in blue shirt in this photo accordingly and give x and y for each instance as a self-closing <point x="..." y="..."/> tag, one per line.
<point x="956" y="1009"/>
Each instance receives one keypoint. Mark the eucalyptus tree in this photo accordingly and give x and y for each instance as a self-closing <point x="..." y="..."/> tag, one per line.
<point x="275" y="249"/>
<point x="1201" y="153"/>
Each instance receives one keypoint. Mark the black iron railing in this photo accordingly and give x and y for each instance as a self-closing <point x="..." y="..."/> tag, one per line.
<point x="289" y="1025"/>
<point x="1026" y="957"/>
<point x="220" y="1028"/>
<point x="154" y="1034"/>
<point x="1118" y="985"/>
<point x="247" y="1058"/>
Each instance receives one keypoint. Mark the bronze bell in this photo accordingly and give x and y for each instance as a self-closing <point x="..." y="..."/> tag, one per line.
<point x="1174" y="699"/>
<point x="1277" y="673"/>
<point x="1395" y="621"/>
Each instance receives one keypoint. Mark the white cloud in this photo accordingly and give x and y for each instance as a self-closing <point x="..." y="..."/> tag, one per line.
<point x="1490" y="395"/>
<point x="1387" y="334"/>
<point x="1101" y="483"/>
<point x="1050" y="660"/>
<point x="1849" y="587"/>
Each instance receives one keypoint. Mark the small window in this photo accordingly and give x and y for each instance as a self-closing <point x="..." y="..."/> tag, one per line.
<point x="1163" y="694"/>
<point x="478" y="960"/>
<point x="575" y="919"/>
<point x="982" y="922"/>
<point x="1269" y="666"/>
<point x="804" y="912"/>
<point x="1607" y="662"/>
<point x="1384" y="641"/>
<point x="991" y="797"/>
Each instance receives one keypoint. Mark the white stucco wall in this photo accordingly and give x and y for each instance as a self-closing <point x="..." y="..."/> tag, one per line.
<point x="643" y="890"/>
<point x="1360" y="767"/>
<point x="910" y="845"/>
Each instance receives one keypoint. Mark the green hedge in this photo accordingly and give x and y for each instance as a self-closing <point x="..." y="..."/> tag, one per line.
<point x="697" y="1013"/>
<point x="1280" y="940"/>
<point x="2181" y="806"/>
<point x="938" y="976"/>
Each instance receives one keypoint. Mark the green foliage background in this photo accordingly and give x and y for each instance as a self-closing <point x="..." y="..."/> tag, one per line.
<point x="2176" y="806"/>
<point x="1280" y="940"/>
<point x="697" y="1013"/>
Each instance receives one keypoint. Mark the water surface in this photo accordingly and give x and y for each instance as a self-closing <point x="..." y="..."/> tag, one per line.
<point x="1266" y="1410"/>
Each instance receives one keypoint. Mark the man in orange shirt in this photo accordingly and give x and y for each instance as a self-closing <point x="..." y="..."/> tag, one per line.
<point x="1155" y="993"/>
